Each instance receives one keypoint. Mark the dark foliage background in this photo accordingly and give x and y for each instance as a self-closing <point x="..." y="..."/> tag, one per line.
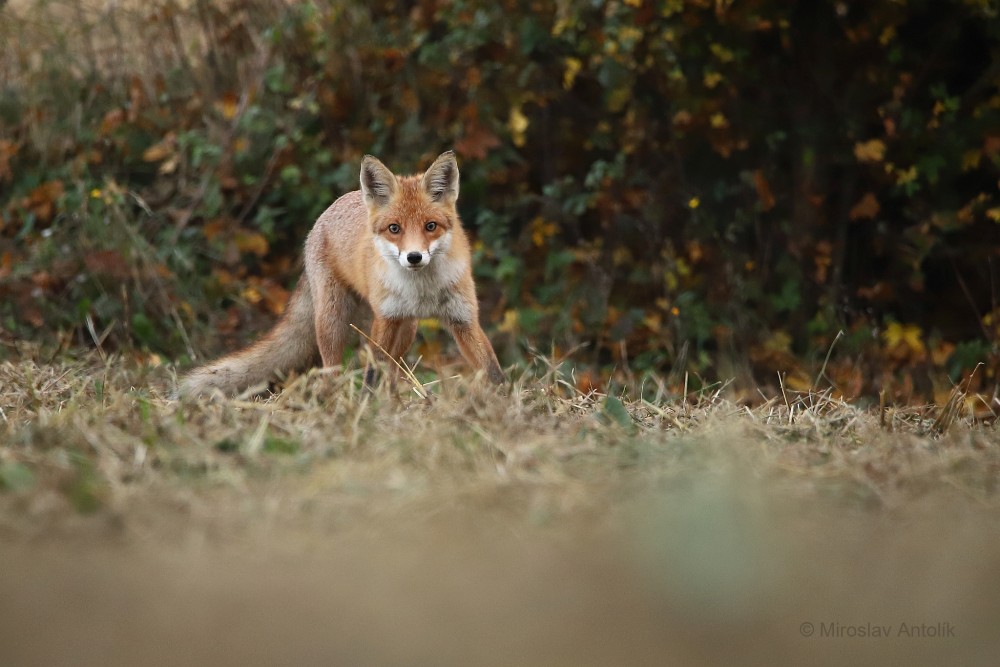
<point x="705" y="189"/>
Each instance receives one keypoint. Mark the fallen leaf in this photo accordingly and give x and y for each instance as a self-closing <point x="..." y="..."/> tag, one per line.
<point x="161" y="150"/>
<point x="107" y="263"/>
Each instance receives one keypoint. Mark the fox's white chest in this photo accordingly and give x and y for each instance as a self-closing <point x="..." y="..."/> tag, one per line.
<point x="428" y="292"/>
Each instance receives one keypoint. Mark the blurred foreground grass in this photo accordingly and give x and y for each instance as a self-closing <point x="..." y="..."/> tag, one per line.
<point x="536" y="526"/>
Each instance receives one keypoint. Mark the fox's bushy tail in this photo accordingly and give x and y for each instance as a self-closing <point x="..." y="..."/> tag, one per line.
<point x="289" y="345"/>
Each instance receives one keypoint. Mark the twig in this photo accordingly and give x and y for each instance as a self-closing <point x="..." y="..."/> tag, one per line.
<point x="822" y="371"/>
<point x="781" y="383"/>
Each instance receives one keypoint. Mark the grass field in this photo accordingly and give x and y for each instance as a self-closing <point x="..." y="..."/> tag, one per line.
<point x="326" y="525"/>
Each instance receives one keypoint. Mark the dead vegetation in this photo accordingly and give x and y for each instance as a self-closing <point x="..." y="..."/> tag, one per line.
<point x="540" y="522"/>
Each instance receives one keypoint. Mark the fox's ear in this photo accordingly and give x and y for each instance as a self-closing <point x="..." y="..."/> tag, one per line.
<point x="440" y="181"/>
<point x="378" y="184"/>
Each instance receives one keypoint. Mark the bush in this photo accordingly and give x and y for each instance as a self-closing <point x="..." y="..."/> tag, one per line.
<point x="715" y="188"/>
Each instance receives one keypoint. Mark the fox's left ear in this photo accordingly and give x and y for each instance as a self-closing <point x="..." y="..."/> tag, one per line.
<point x="440" y="181"/>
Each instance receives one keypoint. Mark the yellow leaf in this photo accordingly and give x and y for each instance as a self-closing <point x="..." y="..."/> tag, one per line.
<point x="718" y="121"/>
<point x="618" y="98"/>
<point x="721" y="52"/>
<point x="573" y="66"/>
<point x="907" y="336"/>
<point x="694" y="203"/>
<point x="252" y="294"/>
<point x="712" y="79"/>
<point x="518" y="124"/>
<point x="870" y="151"/>
<point x="994" y="214"/>
<point x="621" y="256"/>
<point x="541" y="231"/>
<point x="510" y="321"/>
<point x="908" y="176"/>
<point x="629" y="35"/>
<point x="971" y="160"/>
<point x="682" y="117"/>
<point x="252" y="242"/>
<point x="779" y="341"/>
<point x="228" y="106"/>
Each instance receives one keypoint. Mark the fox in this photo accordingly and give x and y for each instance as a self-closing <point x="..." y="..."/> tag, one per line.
<point x="396" y="248"/>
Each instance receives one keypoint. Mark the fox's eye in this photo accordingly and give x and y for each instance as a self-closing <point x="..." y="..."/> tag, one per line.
<point x="394" y="228"/>
<point x="431" y="226"/>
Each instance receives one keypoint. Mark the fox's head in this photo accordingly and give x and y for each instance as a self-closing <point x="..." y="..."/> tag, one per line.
<point x="411" y="217"/>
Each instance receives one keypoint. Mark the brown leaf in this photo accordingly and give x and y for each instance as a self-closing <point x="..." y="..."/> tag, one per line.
<point x="476" y="143"/>
<point x="6" y="263"/>
<point x="880" y="292"/>
<point x="763" y="190"/>
<point x="112" y="120"/>
<point x="8" y="149"/>
<point x="991" y="145"/>
<point x="160" y="150"/>
<point x="273" y="296"/>
<point x="107" y="263"/>
<point x="867" y="207"/>
<point x="214" y="227"/>
<point x="42" y="200"/>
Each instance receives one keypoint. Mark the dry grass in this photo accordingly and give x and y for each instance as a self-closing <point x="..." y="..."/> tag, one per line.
<point x="327" y="525"/>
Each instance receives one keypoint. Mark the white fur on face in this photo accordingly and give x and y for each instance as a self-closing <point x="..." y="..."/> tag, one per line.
<point x="429" y="292"/>
<point x="394" y="253"/>
<point x="388" y="249"/>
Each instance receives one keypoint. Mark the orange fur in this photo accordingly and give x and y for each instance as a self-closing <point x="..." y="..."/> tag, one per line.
<point x="372" y="247"/>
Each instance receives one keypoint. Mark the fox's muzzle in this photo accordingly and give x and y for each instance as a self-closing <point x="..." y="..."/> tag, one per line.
<point x="414" y="259"/>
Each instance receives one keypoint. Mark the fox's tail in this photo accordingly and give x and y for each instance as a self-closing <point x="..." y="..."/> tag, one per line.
<point x="291" y="344"/>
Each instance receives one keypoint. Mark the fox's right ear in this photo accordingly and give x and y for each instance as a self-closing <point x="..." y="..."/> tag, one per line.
<point x="378" y="184"/>
<point x="440" y="181"/>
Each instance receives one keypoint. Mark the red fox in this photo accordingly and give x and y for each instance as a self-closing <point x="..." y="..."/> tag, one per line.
<point x="397" y="246"/>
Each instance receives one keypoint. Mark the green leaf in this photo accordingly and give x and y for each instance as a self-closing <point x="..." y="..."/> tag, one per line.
<point x="16" y="477"/>
<point x="615" y="410"/>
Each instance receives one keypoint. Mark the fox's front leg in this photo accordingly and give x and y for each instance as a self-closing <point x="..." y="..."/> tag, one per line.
<point x="333" y="306"/>
<point x="394" y="337"/>
<point x="476" y="349"/>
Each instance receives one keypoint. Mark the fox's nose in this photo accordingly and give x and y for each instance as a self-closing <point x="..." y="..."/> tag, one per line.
<point x="414" y="257"/>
